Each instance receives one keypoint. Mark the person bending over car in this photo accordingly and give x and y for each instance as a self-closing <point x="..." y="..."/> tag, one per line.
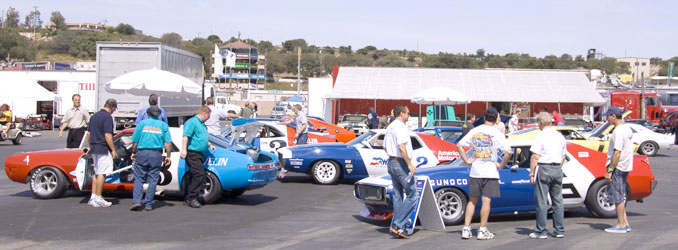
<point x="485" y="141"/>
<point x="149" y="137"/>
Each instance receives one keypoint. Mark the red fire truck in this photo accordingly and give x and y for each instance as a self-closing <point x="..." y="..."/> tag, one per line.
<point x="631" y="100"/>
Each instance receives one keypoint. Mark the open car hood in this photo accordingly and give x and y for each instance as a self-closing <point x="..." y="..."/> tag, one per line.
<point x="242" y="132"/>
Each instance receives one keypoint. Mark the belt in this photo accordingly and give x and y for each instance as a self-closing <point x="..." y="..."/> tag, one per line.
<point x="77" y="128"/>
<point x="150" y="149"/>
<point x="395" y="158"/>
<point x="549" y="164"/>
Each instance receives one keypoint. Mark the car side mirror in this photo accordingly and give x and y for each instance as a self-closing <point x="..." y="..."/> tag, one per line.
<point x="514" y="168"/>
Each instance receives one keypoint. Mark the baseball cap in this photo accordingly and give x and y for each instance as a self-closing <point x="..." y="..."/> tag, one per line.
<point x="613" y="110"/>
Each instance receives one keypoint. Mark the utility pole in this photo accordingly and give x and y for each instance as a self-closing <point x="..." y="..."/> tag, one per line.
<point x="35" y="20"/>
<point x="299" y="70"/>
<point x="643" y="110"/>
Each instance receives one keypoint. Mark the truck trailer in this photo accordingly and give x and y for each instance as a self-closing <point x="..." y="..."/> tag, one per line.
<point x="114" y="59"/>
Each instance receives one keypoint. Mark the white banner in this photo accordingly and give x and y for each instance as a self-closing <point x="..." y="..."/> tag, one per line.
<point x="230" y="59"/>
<point x="218" y="62"/>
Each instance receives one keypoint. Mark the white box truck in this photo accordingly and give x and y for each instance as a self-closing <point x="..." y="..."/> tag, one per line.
<point x="114" y="59"/>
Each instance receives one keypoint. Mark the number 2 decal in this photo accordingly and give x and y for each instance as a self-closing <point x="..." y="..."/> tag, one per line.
<point x="421" y="160"/>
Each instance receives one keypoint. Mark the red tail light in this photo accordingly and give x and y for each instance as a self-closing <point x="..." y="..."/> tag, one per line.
<point x="264" y="166"/>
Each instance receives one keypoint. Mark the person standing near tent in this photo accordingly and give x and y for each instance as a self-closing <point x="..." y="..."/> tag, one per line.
<point x="557" y="119"/>
<point x="75" y="119"/>
<point x="143" y="114"/>
<point x="468" y="125"/>
<point x="5" y="118"/>
<point x="513" y="123"/>
<point x="246" y="112"/>
<point x="372" y="118"/>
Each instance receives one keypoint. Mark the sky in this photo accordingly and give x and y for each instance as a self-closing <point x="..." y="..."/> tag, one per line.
<point x="538" y="27"/>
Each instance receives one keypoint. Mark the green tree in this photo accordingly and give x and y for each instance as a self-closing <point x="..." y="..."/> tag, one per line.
<point x="214" y="39"/>
<point x="265" y="47"/>
<point x="391" y="61"/>
<point x="480" y="54"/>
<point x="345" y="49"/>
<point x="15" y="46"/>
<point x="12" y="18"/>
<point x="58" y="20"/>
<point x="84" y="44"/>
<point x="61" y="43"/>
<point x="172" y="39"/>
<point x="292" y="45"/>
<point x="125" y="29"/>
<point x="33" y="19"/>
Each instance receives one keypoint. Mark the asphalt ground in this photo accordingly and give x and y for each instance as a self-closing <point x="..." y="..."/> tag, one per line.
<point x="298" y="214"/>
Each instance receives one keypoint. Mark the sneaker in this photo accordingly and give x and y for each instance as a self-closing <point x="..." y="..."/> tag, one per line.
<point x="399" y="232"/>
<point x="192" y="203"/>
<point x="538" y="236"/>
<point x="466" y="233"/>
<point x="148" y="208"/>
<point x="616" y="230"/>
<point x="102" y="202"/>
<point x="485" y="235"/>
<point x="93" y="203"/>
<point x="559" y="235"/>
<point x="136" y="207"/>
<point x="628" y="228"/>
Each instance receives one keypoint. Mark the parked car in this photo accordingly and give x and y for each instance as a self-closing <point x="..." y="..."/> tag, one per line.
<point x="448" y="134"/>
<point x="278" y="112"/>
<point x="584" y="185"/>
<point x="231" y="169"/>
<point x="650" y="142"/>
<point x="362" y="157"/>
<point x="342" y="134"/>
<point x="645" y="123"/>
<point x="598" y="141"/>
<point x="579" y="124"/>
<point x="356" y="123"/>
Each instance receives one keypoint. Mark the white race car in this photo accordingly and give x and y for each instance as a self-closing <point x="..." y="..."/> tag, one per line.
<point x="650" y="142"/>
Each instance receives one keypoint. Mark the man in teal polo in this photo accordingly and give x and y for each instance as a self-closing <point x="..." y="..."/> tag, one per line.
<point x="150" y="136"/>
<point x="194" y="145"/>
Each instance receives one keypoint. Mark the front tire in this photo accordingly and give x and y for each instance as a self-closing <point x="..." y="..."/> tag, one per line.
<point x="452" y="203"/>
<point x="18" y="140"/>
<point x="597" y="201"/>
<point x="47" y="183"/>
<point x="325" y="172"/>
<point x="648" y="148"/>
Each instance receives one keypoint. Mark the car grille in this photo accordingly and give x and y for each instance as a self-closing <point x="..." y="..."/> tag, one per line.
<point x="369" y="193"/>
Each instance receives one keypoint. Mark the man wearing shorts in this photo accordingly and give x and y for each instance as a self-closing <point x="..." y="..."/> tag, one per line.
<point x="486" y="142"/>
<point x="620" y="163"/>
<point x="102" y="150"/>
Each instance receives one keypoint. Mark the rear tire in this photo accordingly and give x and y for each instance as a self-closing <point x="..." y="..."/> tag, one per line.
<point x="325" y="172"/>
<point x="597" y="201"/>
<point x="47" y="183"/>
<point x="452" y="203"/>
<point x="211" y="189"/>
<point x="648" y="148"/>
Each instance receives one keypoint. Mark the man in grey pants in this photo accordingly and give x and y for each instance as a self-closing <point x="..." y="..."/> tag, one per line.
<point x="548" y="152"/>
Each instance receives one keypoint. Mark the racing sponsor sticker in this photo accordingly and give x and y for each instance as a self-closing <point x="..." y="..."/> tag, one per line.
<point x="447" y="155"/>
<point x="583" y="154"/>
<point x="349" y="167"/>
<point x="378" y="162"/>
<point x="520" y="182"/>
<point x="297" y="162"/>
<point x="449" y="182"/>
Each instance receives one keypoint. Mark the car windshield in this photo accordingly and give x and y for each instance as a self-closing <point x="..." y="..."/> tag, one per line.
<point x="361" y="138"/>
<point x="354" y="118"/>
<point x="598" y="131"/>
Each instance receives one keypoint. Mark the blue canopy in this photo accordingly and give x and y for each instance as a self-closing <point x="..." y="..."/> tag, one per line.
<point x="295" y="98"/>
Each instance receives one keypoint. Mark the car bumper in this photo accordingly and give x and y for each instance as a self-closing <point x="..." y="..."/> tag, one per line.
<point x="262" y="177"/>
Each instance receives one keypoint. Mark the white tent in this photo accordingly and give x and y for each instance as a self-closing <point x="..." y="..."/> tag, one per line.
<point x="22" y="94"/>
<point x="154" y="80"/>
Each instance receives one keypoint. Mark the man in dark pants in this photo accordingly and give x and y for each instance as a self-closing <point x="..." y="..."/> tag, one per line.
<point x="302" y="125"/>
<point x="398" y="146"/>
<point x="75" y="119"/>
<point x="149" y="137"/>
<point x="372" y="118"/>
<point x="194" y="144"/>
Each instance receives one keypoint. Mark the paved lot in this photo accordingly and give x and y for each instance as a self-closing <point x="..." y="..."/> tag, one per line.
<point x="297" y="215"/>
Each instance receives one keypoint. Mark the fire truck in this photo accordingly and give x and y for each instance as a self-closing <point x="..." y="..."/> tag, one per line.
<point x="631" y="100"/>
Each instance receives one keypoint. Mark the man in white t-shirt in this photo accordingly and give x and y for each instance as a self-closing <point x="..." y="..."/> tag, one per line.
<point x="216" y="116"/>
<point x="486" y="142"/>
<point x="513" y="123"/>
<point x="398" y="146"/>
<point x="619" y="164"/>
<point x="548" y="152"/>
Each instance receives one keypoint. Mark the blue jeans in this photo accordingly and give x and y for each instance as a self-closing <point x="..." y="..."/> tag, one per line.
<point x="402" y="184"/>
<point x="146" y="169"/>
<point x="549" y="181"/>
<point x="302" y="138"/>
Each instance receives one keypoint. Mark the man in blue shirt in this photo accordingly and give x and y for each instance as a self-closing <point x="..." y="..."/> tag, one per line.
<point x="102" y="150"/>
<point x="372" y="118"/>
<point x="149" y="137"/>
<point x="194" y="145"/>
<point x="143" y="114"/>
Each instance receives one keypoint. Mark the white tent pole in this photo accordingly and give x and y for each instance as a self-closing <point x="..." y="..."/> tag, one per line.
<point x="559" y="109"/>
<point x="465" y="111"/>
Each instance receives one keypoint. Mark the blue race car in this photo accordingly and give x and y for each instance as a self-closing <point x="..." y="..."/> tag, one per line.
<point x="233" y="168"/>
<point x="582" y="187"/>
<point x="445" y="133"/>
<point x="362" y="157"/>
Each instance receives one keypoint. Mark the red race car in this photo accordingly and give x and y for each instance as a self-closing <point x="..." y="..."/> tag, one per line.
<point x="342" y="134"/>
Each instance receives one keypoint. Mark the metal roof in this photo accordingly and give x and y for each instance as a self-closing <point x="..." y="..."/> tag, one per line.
<point x="478" y="85"/>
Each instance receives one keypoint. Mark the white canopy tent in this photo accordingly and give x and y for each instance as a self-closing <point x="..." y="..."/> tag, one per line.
<point x="23" y="93"/>
<point x="153" y="80"/>
<point x="478" y="85"/>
